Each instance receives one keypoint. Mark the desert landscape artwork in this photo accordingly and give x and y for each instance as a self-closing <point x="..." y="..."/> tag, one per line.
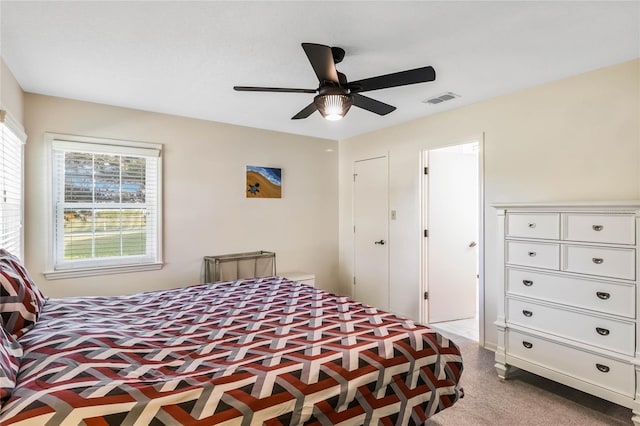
<point x="264" y="182"/>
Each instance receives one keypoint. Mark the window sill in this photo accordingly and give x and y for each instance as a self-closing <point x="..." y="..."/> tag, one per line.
<point x="105" y="270"/>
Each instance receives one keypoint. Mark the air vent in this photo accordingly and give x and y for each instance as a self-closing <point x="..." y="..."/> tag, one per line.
<point x="441" y="98"/>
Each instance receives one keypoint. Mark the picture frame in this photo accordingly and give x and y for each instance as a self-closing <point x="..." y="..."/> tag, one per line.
<point x="263" y="182"/>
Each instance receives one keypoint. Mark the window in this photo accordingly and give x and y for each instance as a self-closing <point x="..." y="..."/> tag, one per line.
<point x="12" y="139"/>
<point x="106" y="206"/>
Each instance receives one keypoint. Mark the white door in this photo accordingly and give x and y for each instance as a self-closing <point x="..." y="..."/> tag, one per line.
<point x="370" y="219"/>
<point x="452" y="222"/>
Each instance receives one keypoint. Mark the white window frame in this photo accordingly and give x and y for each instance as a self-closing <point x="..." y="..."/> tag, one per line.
<point x="63" y="269"/>
<point x="8" y="122"/>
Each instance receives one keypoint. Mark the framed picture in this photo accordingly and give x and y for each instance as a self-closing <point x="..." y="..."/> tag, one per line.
<point x="264" y="182"/>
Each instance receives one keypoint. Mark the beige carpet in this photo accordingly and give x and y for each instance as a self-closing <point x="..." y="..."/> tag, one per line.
<point x="524" y="399"/>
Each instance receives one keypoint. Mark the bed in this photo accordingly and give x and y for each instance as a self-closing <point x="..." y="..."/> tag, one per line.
<point x="264" y="351"/>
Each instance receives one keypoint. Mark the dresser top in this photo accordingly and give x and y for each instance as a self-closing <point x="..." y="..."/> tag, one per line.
<point x="622" y="205"/>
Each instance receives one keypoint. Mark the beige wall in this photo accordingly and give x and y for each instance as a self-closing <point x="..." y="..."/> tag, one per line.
<point x="574" y="139"/>
<point x="205" y="209"/>
<point x="11" y="95"/>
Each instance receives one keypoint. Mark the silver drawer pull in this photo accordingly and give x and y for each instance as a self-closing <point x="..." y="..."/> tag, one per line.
<point x="527" y="313"/>
<point x="602" y="295"/>
<point x="527" y="345"/>
<point x="602" y="368"/>
<point x="532" y="225"/>
<point x="597" y="260"/>
<point x="527" y="283"/>
<point x="597" y="227"/>
<point x="602" y="331"/>
<point x="532" y="254"/>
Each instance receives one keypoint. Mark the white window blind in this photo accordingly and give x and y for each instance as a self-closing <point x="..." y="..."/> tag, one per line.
<point x="106" y="197"/>
<point x="12" y="139"/>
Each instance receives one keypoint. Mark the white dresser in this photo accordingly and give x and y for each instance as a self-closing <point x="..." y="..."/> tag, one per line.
<point x="569" y="302"/>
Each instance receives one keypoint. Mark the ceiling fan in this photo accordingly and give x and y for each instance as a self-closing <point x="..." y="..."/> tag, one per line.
<point x="335" y="94"/>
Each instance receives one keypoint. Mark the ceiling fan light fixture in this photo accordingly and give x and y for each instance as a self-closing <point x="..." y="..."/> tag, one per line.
<point x="333" y="106"/>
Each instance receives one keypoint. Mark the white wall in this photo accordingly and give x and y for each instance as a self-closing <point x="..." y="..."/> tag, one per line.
<point x="205" y="209"/>
<point x="574" y="139"/>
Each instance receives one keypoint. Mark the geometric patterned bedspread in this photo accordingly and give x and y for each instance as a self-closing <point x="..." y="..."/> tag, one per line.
<point x="251" y="352"/>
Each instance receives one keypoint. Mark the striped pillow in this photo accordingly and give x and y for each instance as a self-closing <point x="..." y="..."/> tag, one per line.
<point x="10" y="353"/>
<point x="20" y="299"/>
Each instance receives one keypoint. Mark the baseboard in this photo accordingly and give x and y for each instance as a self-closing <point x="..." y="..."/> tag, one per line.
<point x="490" y="346"/>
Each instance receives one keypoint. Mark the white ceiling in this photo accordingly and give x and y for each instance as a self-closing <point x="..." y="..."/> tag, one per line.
<point x="184" y="57"/>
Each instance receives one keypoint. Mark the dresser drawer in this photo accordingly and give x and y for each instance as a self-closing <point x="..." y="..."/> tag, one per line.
<point x="534" y="225"/>
<point x="539" y="255"/>
<point x="614" y="335"/>
<point x="610" y="374"/>
<point x="602" y="261"/>
<point x="599" y="228"/>
<point x="602" y="296"/>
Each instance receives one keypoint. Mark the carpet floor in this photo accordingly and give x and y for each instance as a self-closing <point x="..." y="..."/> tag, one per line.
<point x="523" y="399"/>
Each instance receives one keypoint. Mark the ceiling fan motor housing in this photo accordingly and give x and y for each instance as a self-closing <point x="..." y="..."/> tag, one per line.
<point x="338" y="54"/>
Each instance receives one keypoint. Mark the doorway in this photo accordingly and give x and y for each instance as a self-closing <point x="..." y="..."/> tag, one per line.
<point x="451" y="248"/>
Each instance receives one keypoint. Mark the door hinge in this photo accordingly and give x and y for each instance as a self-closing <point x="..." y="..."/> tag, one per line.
<point x="354" y="280"/>
<point x="426" y="170"/>
<point x="354" y="176"/>
<point x="354" y="229"/>
<point x="426" y="295"/>
<point x="426" y="233"/>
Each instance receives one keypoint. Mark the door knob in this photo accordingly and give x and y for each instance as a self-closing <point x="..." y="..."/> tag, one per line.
<point x="381" y="242"/>
<point x="473" y="244"/>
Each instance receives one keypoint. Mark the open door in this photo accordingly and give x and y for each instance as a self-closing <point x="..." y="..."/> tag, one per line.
<point x="451" y="264"/>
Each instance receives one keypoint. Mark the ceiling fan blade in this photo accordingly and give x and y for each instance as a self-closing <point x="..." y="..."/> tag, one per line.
<point x="307" y="111"/>
<point x="272" y="89"/>
<point x="321" y="59"/>
<point x="402" y="78"/>
<point x="372" y="105"/>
